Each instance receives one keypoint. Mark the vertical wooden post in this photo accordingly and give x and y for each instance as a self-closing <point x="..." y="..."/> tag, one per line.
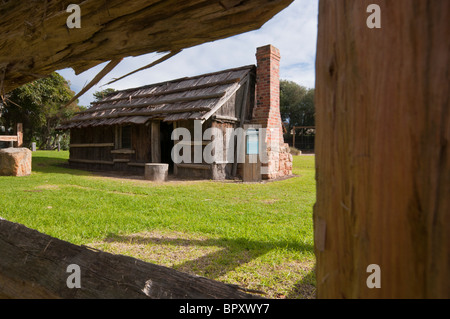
<point x="293" y="136"/>
<point x="382" y="150"/>
<point x="19" y="133"/>
<point x="175" y="167"/>
<point x="156" y="142"/>
<point x="116" y="137"/>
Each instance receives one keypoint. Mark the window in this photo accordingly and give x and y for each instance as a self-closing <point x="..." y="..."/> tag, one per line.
<point x="125" y="136"/>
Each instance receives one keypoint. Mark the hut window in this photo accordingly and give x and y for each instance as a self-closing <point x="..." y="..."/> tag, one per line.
<point x="125" y="136"/>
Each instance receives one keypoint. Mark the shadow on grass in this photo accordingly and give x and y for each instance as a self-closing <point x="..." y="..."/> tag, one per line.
<point x="54" y="165"/>
<point x="58" y="165"/>
<point x="223" y="256"/>
<point x="305" y="288"/>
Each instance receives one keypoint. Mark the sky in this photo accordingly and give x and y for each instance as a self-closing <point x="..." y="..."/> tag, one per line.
<point x="293" y="31"/>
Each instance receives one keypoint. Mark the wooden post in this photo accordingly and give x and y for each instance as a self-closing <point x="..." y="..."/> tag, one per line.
<point x="244" y="106"/>
<point x="19" y="133"/>
<point x="293" y="136"/>
<point x="175" y="167"/>
<point x="116" y="137"/>
<point x="382" y="150"/>
<point x="156" y="142"/>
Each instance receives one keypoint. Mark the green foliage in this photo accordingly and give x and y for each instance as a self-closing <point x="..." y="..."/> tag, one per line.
<point x="296" y="104"/>
<point x="101" y="94"/>
<point x="40" y="106"/>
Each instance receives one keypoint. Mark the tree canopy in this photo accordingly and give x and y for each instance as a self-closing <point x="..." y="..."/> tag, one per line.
<point x="296" y="104"/>
<point x="40" y="106"/>
<point x="101" y="94"/>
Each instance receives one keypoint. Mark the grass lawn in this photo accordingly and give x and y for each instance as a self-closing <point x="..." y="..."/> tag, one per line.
<point x="258" y="235"/>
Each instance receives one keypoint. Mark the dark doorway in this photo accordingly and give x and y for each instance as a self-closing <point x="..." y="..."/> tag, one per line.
<point x="166" y="143"/>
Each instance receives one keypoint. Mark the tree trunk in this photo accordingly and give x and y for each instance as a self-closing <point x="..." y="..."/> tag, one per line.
<point x="382" y="149"/>
<point x="34" y="265"/>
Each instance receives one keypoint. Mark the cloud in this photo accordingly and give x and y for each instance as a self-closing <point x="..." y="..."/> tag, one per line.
<point x="293" y="31"/>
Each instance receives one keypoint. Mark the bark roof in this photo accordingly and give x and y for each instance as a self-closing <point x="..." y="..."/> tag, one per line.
<point x="191" y="98"/>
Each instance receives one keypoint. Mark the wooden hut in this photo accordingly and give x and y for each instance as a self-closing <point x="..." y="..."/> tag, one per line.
<point x="128" y="129"/>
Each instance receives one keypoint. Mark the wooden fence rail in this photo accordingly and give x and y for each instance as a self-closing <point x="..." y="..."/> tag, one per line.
<point x="18" y="138"/>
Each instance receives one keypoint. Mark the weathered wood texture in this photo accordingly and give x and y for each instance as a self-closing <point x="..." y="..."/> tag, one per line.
<point x="19" y="133"/>
<point x="155" y="141"/>
<point x="156" y="171"/>
<point x="196" y="97"/>
<point x="141" y="137"/>
<point x="92" y="143"/>
<point x="34" y="265"/>
<point x="17" y="139"/>
<point x="36" y="40"/>
<point x="382" y="149"/>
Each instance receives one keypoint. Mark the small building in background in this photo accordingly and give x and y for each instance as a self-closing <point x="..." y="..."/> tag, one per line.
<point x="129" y="128"/>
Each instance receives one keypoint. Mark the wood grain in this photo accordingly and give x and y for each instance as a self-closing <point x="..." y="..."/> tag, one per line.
<point x="36" y="40"/>
<point x="382" y="149"/>
<point x="34" y="265"/>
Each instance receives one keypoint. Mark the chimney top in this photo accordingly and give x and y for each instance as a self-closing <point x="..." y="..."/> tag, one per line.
<point x="268" y="50"/>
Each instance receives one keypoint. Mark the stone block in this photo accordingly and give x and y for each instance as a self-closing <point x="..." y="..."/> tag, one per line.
<point x="15" y="161"/>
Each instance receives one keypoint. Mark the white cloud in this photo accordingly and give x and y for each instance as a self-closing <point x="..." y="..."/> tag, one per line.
<point x="293" y="31"/>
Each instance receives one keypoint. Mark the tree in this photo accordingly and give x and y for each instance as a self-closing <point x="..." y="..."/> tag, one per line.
<point x="40" y="106"/>
<point x="296" y="104"/>
<point x="101" y="94"/>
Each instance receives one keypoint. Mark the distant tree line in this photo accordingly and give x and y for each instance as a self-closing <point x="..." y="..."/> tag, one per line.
<point x="101" y="94"/>
<point x="297" y="109"/>
<point x="296" y="105"/>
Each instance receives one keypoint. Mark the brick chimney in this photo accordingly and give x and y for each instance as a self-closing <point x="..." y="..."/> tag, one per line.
<point x="267" y="112"/>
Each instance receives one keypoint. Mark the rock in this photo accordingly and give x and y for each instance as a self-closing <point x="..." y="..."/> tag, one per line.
<point x="15" y="161"/>
<point x="288" y="166"/>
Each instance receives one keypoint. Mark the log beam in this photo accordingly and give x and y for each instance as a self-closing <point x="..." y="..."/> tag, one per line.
<point x="36" y="39"/>
<point x="35" y="265"/>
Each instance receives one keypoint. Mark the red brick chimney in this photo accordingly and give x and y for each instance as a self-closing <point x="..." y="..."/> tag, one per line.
<point x="267" y="111"/>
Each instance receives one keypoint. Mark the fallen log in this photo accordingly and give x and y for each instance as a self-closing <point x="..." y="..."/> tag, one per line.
<point x="35" y="265"/>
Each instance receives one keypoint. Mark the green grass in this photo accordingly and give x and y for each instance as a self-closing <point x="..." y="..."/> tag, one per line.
<point x="257" y="235"/>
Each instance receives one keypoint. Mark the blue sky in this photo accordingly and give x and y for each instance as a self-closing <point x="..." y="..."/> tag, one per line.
<point x="293" y="31"/>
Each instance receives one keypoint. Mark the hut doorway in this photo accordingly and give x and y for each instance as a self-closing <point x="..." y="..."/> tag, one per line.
<point x="166" y="143"/>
